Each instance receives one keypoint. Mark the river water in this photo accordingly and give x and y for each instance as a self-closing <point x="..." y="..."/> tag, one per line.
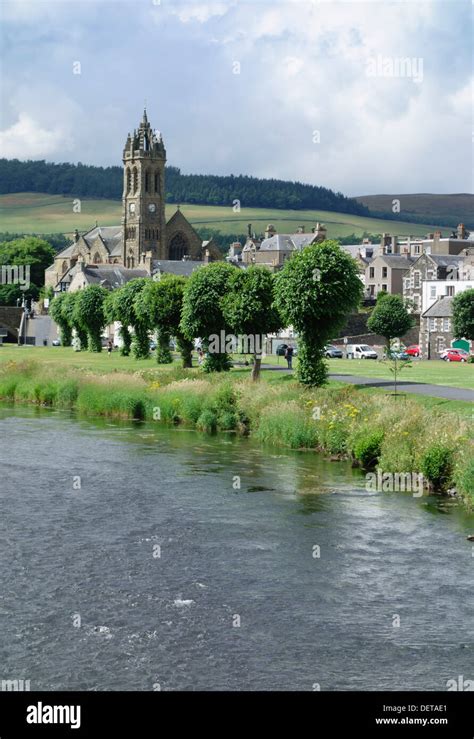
<point x="159" y="571"/>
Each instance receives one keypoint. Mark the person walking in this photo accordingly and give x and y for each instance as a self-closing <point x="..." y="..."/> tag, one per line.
<point x="289" y="356"/>
<point x="110" y="346"/>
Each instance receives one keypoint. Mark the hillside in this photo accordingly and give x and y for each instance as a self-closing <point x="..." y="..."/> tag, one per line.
<point x="88" y="181"/>
<point x="43" y="214"/>
<point x="448" y="210"/>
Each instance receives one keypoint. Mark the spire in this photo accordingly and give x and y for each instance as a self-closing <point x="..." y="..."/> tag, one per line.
<point x="144" y="119"/>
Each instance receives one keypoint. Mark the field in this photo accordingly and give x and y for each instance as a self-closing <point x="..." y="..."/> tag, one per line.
<point x="38" y="213"/>
<point x="426" y="205"/>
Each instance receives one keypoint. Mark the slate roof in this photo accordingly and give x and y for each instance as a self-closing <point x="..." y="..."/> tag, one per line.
<point x="110" y="235"/>
<point x="113" y="275"/>
<point x="176" y="267"/>
<point x="397" y="261"/>
<point x="444" y="260"/>
<point x="287" y="242"/>
<point x="443" y="308"/>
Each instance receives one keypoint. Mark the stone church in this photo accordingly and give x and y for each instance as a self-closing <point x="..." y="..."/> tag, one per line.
<point x="145" y="243"/>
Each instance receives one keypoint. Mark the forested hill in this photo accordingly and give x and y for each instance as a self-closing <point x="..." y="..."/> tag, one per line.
<point x="106" y="182"/>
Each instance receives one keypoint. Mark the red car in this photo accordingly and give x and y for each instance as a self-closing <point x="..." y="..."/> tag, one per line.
<point x="413" y="351"/>
<point x="454" y="355"/>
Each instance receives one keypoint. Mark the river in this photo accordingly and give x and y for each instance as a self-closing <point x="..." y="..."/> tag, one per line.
<point x="132" y="560"/>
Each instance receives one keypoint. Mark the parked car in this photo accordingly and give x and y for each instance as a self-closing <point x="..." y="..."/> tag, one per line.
<point x="152" y="346"/>
<point x="454" y="355"/>
<point x="396" y="354"/>
<point x="332" y="352"/>
<point x="281" y="349"/>
<point x="414" y="350"/>
<point x="56" y="342"/>
<point x="360" y="351"/>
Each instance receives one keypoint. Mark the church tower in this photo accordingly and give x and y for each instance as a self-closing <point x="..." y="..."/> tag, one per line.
<point x="143" y="210"/>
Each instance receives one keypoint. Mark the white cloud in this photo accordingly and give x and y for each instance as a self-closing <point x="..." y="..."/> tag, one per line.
<point x="27" y="139"/>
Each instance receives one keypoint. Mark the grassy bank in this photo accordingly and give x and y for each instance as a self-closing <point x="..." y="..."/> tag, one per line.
<point x="396" y="435"/>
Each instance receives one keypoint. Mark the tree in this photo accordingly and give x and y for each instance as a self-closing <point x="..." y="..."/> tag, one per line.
<point x="128" y="316"/>
<point x="89" y="313"/>
<point x="161" y="302"/>
<point x="390" y="319"/>
<point x="69" y="313"/>
<point x="463" y="315"/>
<point x="314" y="291"/>
<point x="56" y="311"/>
<point x="112" y="315"/>
<point x="33" y="255"/>
<point x="202" y="315"/>
<point x="248" y="308"/>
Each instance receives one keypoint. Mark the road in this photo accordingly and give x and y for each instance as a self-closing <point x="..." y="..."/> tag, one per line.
<point x="417" y="388"/>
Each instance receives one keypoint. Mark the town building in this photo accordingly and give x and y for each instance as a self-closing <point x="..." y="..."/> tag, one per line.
<point x="436" y="329"/>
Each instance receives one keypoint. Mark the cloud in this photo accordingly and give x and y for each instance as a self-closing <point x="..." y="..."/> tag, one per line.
<point x="26" y="139"/>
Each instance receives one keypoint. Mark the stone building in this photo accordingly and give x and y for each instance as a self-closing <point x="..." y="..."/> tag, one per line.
<point x="274" y="249"/>
<point x="438" y="273"/>
<point x="144" y="236"/>
<point x="436" y="332"/>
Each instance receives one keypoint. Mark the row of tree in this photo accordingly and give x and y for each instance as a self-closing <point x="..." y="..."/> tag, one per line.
<point x="27" y="258"/>
<point x="81" y="180"/>
<point x="314" y="292"/>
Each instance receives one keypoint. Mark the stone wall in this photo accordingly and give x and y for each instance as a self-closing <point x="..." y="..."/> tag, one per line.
<point x="10" y="318"/>
<point x="356" y="329"/>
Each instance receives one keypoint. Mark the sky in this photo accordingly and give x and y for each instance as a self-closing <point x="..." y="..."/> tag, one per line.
<point x="362" y="97"/>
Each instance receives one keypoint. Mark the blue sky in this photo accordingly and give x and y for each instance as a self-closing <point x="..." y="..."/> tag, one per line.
<point x="305" y="104"/>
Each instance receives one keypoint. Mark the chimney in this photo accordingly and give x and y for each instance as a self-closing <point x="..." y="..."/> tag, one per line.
<point x="148" y="261"/>
<point x="270" y="231"/>
<point x="300" y="230"/>
<point x="76" y="235"/>
<point x="320" y="231"/>
<point x="461" y="231"/>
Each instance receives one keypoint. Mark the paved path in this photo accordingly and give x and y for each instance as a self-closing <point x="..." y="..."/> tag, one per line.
<point x="418" y="388"/>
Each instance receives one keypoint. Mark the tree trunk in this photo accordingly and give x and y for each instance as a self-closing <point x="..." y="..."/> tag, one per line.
<point x="256" y="368"/>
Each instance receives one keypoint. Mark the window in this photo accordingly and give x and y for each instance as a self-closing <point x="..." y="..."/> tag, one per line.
<point x="417" y="248"/>
<point x="446" y="324"/>
<point x="384" y="271"/>
<point x="432" y="324"/>
<point x="433" y="291"/>
<point x="372" y="272"/>
<point x="384" y="288"/>
<point x="416" y="276"/>
<point x="450" y="290"/>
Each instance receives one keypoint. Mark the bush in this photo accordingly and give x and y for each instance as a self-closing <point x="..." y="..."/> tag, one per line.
<point x="207" y="421"/>
<point x="437" y="466"/>
<point x="367" y="449"/>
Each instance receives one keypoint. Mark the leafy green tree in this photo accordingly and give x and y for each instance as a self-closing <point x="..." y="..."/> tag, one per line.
<point x="390" y="319"/>
<point x="112" y="315"/>
<point x="56" y="311"/>
<point x="463" y="315"/>
<point x="314" y="291"/>
<point x="69" y="313"/>
<point x="248" y="308"/>
<point x="89" y="312"/>
<point x="161" y="302"/>
<point x="31" y="252"/>
<point x="202" y="315"/>
<point x="128" y="316"/>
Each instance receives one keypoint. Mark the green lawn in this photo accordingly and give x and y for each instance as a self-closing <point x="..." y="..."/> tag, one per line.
<point x="435" y="371"/>
<point x="42" y="213"/>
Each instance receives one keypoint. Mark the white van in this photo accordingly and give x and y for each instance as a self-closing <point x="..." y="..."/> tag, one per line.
<point x="360" y="351"/>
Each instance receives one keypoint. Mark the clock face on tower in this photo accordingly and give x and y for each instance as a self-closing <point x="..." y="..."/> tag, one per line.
<point x="152" y="207"/>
